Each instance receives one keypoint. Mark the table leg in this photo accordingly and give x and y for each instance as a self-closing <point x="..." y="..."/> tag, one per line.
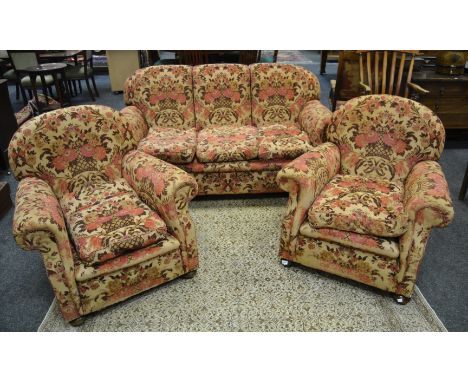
<point x="44" y="88"/>
<point x="58" y="88"/>
<point x="323" y="61"/>
<point x="464" y="186"/>
<point x="32" y="77"/>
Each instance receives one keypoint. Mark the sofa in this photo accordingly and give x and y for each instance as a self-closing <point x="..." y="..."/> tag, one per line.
<point x="109" y="221"/>
<point x="362" y="205"/>
<point x="231" y="126"/>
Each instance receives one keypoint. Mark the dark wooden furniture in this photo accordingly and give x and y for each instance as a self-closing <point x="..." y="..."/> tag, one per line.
<point x="83" y="71"/>
<point x="447" y="97"/>
<point x="327" y="55"/>
<point x="8" y="124"/>
<point x="60" y="55"/>
<point x="193" y="57"/>
<point x="388" y="72"/>
<point x="57" y="71"/>
<point x="5" y="198"/>
<point x="346" y="85"/>
<point x="464" y="186"/>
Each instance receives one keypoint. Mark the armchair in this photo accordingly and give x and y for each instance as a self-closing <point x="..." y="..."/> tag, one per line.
<point x="362" y="205"/>
<point x="110" y="222"/>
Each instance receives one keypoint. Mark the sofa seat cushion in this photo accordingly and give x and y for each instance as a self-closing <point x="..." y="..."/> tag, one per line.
<point x="281" y="142"/>
<point x="386" y="247"/>
<point x="358" y="204"/>
<point x="227" y="144"/>
<point x="170" y="144"/>
<point x="103" y="229"/>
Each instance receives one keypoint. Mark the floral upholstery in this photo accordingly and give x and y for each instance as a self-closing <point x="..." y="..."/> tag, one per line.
<point x="313" y="119"/>
<point x="227" y="143"/>
<point x="361" y="205"/>
<point x="164" y="95"/>
<point x="383" y="137"/>
<point x="75" y="207"/>
<point x="172" y="145"/>
<point x="280" y="91"/>
<point x="369" y="216"/>
<point x="222" y="95"/>
<point x="281" y="142"/>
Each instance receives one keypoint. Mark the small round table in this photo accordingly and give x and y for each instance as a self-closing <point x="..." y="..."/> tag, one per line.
<point x="53" y="69"/>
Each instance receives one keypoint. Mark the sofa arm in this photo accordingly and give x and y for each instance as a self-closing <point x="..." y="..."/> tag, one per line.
<point x="167" y="189"/>
<point x="314" y="119"/>
<point x="427" y="195"/>
<point x="304" y="178"/>
<point x="135" y="127"/>
<point x="38" y="224"/>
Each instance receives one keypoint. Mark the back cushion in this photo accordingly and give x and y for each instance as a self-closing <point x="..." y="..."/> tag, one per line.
<point x="383" y="137"/>
<point x="222" y="95"/>
<point x="164" y="94"/>
<point x="280" y="91"/>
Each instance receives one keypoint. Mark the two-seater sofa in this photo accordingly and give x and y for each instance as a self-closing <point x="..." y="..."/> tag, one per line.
<point x="231" y="126"/>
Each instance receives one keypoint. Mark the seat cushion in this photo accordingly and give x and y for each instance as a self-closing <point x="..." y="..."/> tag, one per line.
<point x="357" y="204"/>
<point x="116" y="223"/>
<point x="26" y="81"/>
<point x="386" y="247"/>
<point x="170" y="144"/>
<point x="281" y="142"/>
<point x="227" y="143"/>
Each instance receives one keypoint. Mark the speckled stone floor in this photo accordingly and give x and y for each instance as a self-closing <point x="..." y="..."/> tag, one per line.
<point x="240" y="286"/>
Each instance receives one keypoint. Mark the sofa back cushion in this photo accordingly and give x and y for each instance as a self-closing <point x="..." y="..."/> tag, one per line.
<point x="72" y="145"/>
<point x="222" y="95"/>
<point x="164" y="95"/>
<point x="383" y="136"/>
<point x="280" y="91"/>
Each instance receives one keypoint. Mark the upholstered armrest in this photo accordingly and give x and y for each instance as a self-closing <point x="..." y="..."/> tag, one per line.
<point x="426" y="190"/>
<point x="38" y="224"/>
<point x="135" y="127"/>
<point x="313" y="119"/>
<point x="167" y="189"/>
<point x="304" y="178"/>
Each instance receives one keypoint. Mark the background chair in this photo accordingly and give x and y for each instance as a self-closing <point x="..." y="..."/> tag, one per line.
<point x="362" y="205"/>
<point x="388" y="72"/>
<point x="347" y="83"/>
<point x="83" y="71"/>
<point x="109" y="221"/>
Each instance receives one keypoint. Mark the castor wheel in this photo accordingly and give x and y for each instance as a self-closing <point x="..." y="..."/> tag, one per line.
<point x="77" y="321"/>
<point x="402" y="300"/>
<point x="189" y="275"/>
<point x="285" y="263"/>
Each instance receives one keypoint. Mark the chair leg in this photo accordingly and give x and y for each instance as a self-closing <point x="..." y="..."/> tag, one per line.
<point x="23" y="95"/>
<point x="89" y="89"/>
<point x="17" y="90"/>
<point x="94" y="86"/>
<point x="74" y="87"/>
<point x="461" y="195"/>
<point x="401" y="300"/>
<point x="79" y="86"/>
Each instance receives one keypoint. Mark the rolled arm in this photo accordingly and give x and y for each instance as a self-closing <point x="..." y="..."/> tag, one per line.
<point x="304" y="178"/>
<point x="38" y="224"/>
<point x="135" y="127"/>
<point x="427" y="195"/>
<point x="168" y="190"/>
<point x="313" y="119"/>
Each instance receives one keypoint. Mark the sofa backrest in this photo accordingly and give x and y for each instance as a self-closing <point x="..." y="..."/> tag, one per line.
<point x="222" y="95"/>
<point x="164" y="94"/>
<point x="75" y="144"/>
<point x="280" y="91"/>
<point x="383" y="136"/>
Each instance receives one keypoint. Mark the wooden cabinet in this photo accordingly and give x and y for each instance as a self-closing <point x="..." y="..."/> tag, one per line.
<point x="448" y="97"/>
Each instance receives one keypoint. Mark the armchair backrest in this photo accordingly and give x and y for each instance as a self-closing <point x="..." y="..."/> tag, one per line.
<point x="164" y="94"/>
<point x="383" y="136"/>
<point x="280" y="91"/>
<point x="62" y="146"/>
<point x="222" y="95"/>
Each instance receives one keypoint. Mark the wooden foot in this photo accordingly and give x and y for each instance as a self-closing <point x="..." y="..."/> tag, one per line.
<point x="285" y="263"/>
<point x="189" y="275"/>
<point x="402" y="300"/>
<point x="77" y="321"/>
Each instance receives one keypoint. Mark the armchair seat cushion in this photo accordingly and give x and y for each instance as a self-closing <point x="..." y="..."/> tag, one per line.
<point x="227" y="144"/>
<point x="170" y="144"/>
<point x="105" y="228"/>
<point x="361" y="205"/>
<point x="281" y="142"/>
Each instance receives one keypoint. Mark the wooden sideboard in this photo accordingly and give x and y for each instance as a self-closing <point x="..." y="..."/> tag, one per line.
<point x="448" y="97"/>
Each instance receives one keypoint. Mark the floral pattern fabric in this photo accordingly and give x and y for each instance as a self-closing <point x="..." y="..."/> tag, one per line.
<point x="222" y="95"/>
<point x="227" y="143"/>
<point x="280" y="91"/>
<point x="172" y="145"/>
<point x="237" y="166"/>
<point x="281" y="142"/>
<point x="383" y="137"/>
<point x="164" y="95"/>
<point x="357" y="204"/>
<point x="314" y="119"/>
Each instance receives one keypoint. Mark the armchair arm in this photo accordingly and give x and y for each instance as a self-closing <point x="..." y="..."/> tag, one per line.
<point x="167" y="189"/>
<point x="366" y="88"/>
<point x="304" y="179"/>
<point x="135" y="127"/>
<point x="427" y="195"/>
<point x="38" y="224"/>
<point x="313" y="119"/>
